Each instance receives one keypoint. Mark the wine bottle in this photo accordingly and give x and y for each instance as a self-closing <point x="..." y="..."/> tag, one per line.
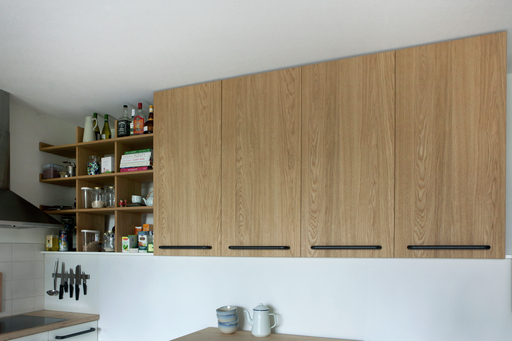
<point x="97" y="132"/>
<point x="148" y="126"/>
<point x="105" y="133"/>
<point x="123" y="124"/>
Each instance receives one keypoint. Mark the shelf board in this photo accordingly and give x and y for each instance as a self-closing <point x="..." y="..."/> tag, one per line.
<point x="110" y="210"/>
<point x="83" y="253"/>
<point x="105" y="179"/>
<point x="105" y="146"/>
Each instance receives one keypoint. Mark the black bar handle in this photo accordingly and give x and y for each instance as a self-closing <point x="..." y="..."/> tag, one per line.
<point x="75" y="334"/>
<point x="184" y="247"/>
<point x="449" y="247"/>
<point x="259" y="248"/>
<point x="346" y="247"/>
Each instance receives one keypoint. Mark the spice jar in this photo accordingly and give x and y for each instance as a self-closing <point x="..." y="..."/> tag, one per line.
<point x="97" y="198"/>
<point x="110" y="198"/>
<point x="109" y="243"/>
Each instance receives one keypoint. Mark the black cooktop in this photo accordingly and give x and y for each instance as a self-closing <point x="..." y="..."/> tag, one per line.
<point x="13" y="323"/>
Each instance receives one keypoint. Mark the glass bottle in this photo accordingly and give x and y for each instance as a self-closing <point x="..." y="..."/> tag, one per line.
<point x="123" y="123"/>
<point x="138" y="122"/>
<point x="106" y="133"/>
<point x="109" y="241"/>
<point x="132" y="121"/>
<point x="97" y="132"/>
<point x="148" y="126"/>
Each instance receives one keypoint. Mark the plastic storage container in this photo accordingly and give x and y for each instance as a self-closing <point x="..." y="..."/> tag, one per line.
<point x="86" y="197"/>
<point x="90" y="240"/>
<point x="51" y="171"/>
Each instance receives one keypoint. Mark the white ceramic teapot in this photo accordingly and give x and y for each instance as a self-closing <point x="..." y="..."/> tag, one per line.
<point x="261" y="321"/>
<point x="149" y="200"/>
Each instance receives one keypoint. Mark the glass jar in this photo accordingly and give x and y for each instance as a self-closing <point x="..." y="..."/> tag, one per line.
<point x="97" y="198"/>
<point x="110" y="197"/>
<point x="109" y="241"/>
<point x="86" y="197"/>
<point x="90" y="240"/>
<point x="93" y="166"/>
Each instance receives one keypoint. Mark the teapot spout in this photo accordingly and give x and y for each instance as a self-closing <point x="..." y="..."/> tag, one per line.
<point x="249" y="319"/>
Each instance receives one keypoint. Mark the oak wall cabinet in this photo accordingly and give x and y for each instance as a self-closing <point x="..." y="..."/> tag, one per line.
<point x="450" y="149"/>
<point x="187" y="162"/>
<point x="261" y="164"/>
<point x="348" y="150"/>
<point x="395" y="154"/>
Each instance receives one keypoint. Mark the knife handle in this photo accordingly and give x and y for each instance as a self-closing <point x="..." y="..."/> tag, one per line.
<point x="71" y="291"/>
<point x="61" y="292"/>
<point x="66" y="286"/>
<point x="85" y="288"/>
<point x="77" y="291"/>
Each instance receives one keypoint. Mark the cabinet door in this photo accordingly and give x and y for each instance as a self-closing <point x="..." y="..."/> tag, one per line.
<point x="33" y="337"/>
<point x="348" y="133"/>
<point x="187" y="166"/>
<point x="261" y="164"/>
<point x="80" y="332"/>
<point x="450" y="193"/>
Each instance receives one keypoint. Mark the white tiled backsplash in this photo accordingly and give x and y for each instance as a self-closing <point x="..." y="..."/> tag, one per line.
<point x="22" y="267"/>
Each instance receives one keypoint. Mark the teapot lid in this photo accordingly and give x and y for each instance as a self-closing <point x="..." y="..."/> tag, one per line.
<point x="261" y="307"/>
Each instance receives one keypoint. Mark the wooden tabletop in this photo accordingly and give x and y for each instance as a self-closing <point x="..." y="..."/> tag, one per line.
<point x="214" y="334"/>
<point x="71" y="320"/>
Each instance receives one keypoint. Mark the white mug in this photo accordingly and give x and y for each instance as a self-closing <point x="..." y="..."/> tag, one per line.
<point x="136" y="199"/>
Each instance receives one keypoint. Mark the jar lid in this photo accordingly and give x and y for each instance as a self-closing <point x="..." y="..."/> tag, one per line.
<point x="97" y="187"/>
<point x="91" y="231"/>
<point x="86" y="188"/>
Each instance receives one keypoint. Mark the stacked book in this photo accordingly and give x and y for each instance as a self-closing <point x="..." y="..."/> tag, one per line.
<point x="137" y="160"/>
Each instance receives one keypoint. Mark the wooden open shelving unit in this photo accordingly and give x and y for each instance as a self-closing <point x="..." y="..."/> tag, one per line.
<point x="126" y="184"/>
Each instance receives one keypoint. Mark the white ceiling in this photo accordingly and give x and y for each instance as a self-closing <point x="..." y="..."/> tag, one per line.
<point x="71" y="58"/>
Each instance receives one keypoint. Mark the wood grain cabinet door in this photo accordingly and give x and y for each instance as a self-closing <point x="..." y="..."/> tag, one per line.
<point x="450" y="149"/>
<point x="187" y="166"/>
<point x="348" y="113"/>
<point x="261" y="164"/>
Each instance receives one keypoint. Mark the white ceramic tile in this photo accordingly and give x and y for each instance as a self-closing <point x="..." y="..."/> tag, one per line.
<point x="39" y="270"/>
<point x="23" y="270"/>
<point x="5" y="252"/>
<point x="6" y="290"/>
<point x="23" y="305"/>
<point x="22" y="289"/>
<point x="6" y="270"/>
<point x="23" y="252"/>
<point x="39" y="287"/>
<point x="39" y="303"/>
<point x="38" y="255"/>
<point x="6" y="308"/>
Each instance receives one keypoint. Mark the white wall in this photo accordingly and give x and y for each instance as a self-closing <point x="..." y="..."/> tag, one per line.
<point x="161" y="298"/>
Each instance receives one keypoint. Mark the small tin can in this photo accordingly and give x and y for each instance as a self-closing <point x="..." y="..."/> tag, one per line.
<point x="63" y="240"/>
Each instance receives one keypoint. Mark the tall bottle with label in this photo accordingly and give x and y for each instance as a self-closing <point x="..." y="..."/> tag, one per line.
<point x="97" y="132"/>
<point x="106" y="133"/>
<point x="138" y="122"/>
<point x="123" y="123"/>
<point x="148" y="126"/>
<point x="132" y="121"/>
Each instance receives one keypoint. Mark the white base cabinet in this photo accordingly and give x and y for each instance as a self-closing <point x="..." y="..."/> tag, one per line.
<point x="80" y="332"/>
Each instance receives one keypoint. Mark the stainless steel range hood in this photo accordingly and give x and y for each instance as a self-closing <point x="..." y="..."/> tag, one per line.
<point x="15" y="212"/>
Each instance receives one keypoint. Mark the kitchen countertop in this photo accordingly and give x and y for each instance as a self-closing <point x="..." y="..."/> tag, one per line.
<point x="71" y="320"/>
<point x="214" y="334"/>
